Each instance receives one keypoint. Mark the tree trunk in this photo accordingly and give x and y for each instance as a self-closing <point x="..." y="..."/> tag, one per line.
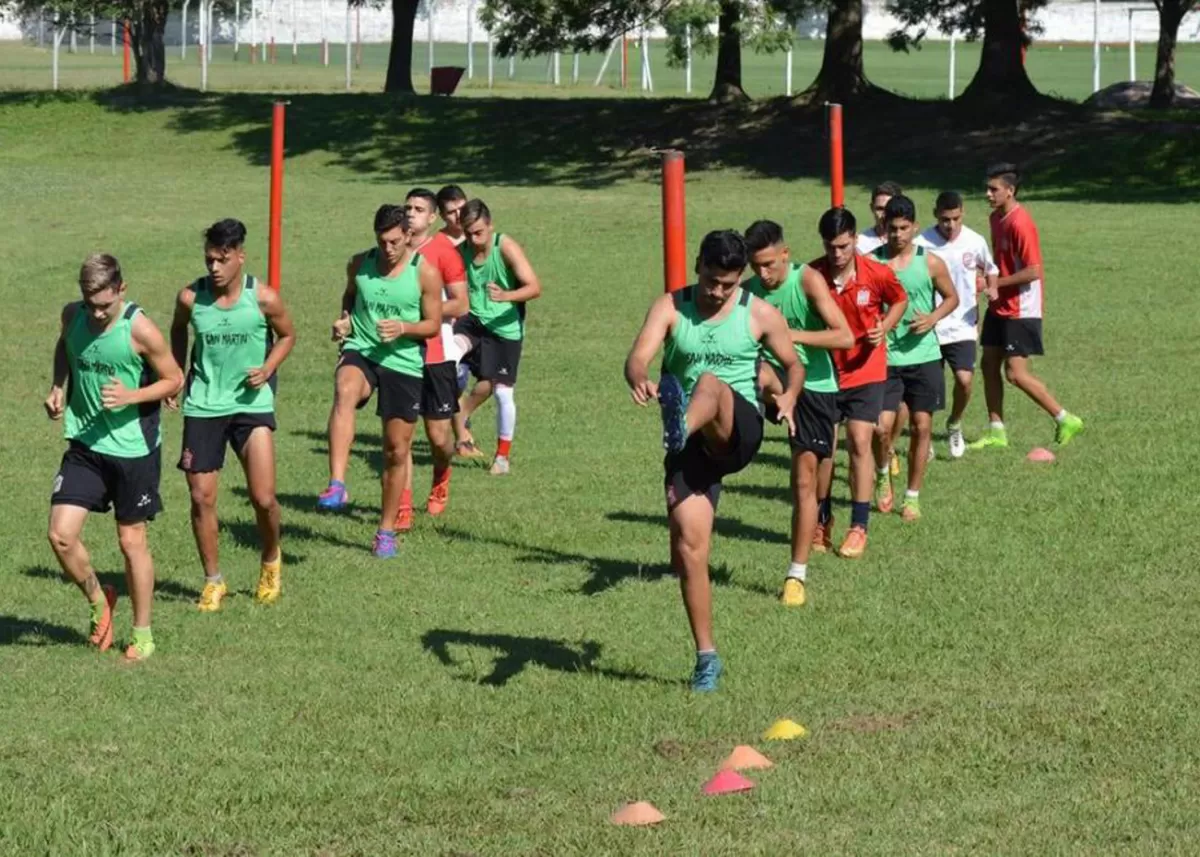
<point x="146" y="37"/>
<point x="727" y="86"/>
<point x="399" y="70"/>
<point x="1169" y="17"/>
<point x="1001" y="71"/>
<point x="841" y="76"/>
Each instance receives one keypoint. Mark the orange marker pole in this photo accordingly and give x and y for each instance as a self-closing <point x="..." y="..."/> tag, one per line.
<point x="274" y="253"/>
<point x="674" y="221"/>
<point x="837" y="182"/>
<point x="125" y="72"/>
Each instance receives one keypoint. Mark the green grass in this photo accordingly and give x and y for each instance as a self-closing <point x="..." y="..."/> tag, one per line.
<point x="1014" y="675"/>
<point x="1063" y="70"/>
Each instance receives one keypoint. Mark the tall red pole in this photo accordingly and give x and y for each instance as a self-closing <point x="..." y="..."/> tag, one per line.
<point x="837" y="179"/>
<point x="125" y="74"/>
<point x="275" y="240"/>
<point x="674" y="221"/>
<point x="624" y="61"/>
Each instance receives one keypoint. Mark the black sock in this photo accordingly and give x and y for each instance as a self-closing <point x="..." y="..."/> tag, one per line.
<point x="825" y="511"/>
<point x="860" y="513"/>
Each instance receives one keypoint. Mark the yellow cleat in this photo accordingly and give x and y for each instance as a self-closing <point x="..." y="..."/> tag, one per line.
<point x="212" y="596"/>
<point x="269" y="585"/>
<point x="894" y="464"/>
<point x="793" y="593"/>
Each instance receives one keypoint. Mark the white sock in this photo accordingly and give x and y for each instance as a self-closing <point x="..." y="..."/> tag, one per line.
<point x="798" y="570"/>
<point x="954" y="426"/>
<point x="1060" y="416"/>
<point x="216" y="578"/>
<point x="506" y="412"/>
<point x="883" y="471"/>
<point x="910" y="494"/>
<point x="998" y="425"/>
<point x="463" y="342"/>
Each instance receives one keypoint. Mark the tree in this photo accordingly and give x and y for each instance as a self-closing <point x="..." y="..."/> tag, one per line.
<point x="399" y="70"/>
<point x="1170" y="15"/>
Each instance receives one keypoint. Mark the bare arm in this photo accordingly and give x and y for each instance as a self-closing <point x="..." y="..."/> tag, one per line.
<point x="777" y="339"/>
<point x="892" y="318"/>
<point x="1021" y="277"/>
<point x="276" y="313"/>
<point x="431" y="304"/>
<point x="837" y="333"/>
<point x="650" y="338"/>
<point x="184" y="303"/>
<point x="944" y="286"/>
<point x="351" y="291"/>
<point x="456" y="304"/>
<point x="56" y="401"/>
<point x="148" y="342"/>
<point x="530" y="288"/>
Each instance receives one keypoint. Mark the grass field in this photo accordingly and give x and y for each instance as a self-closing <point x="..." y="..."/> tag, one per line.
<point x="1063" y="70"/>
<point x="1014" y="675"/>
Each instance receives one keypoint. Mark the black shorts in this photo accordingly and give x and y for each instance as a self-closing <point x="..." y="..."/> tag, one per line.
<point x="959" y="356"/>
<point x="815" y="416"/>
<point x="97" y="481"/>
<point x="439" y="391"/>
<point x="862" y="403"/>
<point x="1018" y="337"/>
<point x="399" y="394"/>
<point x="921" y="386"/>
<point x="697" y="470"/>
<point x="205" y="439"/>
<point x="490" y="358"/>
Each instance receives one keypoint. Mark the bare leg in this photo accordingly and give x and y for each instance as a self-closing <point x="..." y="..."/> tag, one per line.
<point x="993" y="385"/>
<point x="258" y="461"/>
<point x="349" y="388"/>
<point x="883" y="437"/>
<point x="962" y="395"/>
<point x="918" y="448"/>
<point x="203" y="489"/>
<point x="691" y="523"/>
<point x="804" y="505"/>
<point x="66" y="525"/>
<point x="860" y="435"/>
<point x="710" y="411"/>
<point x="1020" y="375"/>
<point x="441" y="443"/>
<point x="397" y="442"/>
<point x="139" y="570"/>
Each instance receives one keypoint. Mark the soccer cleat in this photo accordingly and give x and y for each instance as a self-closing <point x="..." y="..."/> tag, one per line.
<point x="894" y="464"/>
<point x="439" y="496"/>
<point x="385" y="545"/>
<point x="884" y="497"/>
<point x="467" y="449"/>
<point x="211" y="597"/>
<point x="955" y="436"/>
<point x="993" y="438"/>
<point x="1067" y="429"/>
<point x="673" y="401"/>
<point x="707" y="671"/>
<point x="334" y="498"/>
<point x="139" y="650"/>
<point x="910" y="510"/>
<point x="823" y="537"/>
<point x="793" y="593"/>
<point x="102" y="628"/>
<point x="270" y="587"/>
<point x="855" y="543"/>
<point x="499" y="466"/>
<point x="404" y="519"/>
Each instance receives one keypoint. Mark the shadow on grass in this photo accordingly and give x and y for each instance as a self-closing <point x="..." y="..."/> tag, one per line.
<point x="368" y="448"/>
<point x="1068" y="152"/>
<point x="15" y="631"/>
<point x="245" y="534"/>
<point x="517" y="653"/>
<point x="729" y="528"/>
<point x="167" y="589"/>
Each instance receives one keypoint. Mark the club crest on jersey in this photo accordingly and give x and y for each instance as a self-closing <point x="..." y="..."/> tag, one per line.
<point x="968" y="260"/>
<point x="864" y="297"/>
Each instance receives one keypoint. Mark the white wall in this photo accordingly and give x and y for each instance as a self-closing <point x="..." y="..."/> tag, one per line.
<point x="1062" y="22"/>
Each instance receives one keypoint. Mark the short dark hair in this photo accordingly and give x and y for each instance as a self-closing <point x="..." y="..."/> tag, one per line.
<point x="1008" y="173"/>
<point x="948" y="200"/>
<point x="450" y="193"/>
<point x="390" y="216"/>
<point x="900" y="206"/>
<point x="475" y="209"/>
<point x="723" y="250"/>
<point x="835" y="222"/>
<point x="227" y="234"/>
<point x="888" y="188"/>
<point x="422" y="193"/>
<point x="762" y="234"/>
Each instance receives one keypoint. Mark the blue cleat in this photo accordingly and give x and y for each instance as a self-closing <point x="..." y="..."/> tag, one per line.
<point x="708" y="670"/>
<point x="335" y="498"/>
<point x="673" y="401"/>
<point x="385" y="544"/>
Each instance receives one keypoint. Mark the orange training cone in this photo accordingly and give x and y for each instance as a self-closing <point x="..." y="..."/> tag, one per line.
<point x="1040" y="454"/>
<point x="637" y="814"/>
<point x="744" y="758"/>
<point x="727" y="781"/>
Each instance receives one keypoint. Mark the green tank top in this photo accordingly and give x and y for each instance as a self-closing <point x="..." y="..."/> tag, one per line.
<point x="228" y="341"/>
<point x="725" y="348"/>
<point x="791" y="301"/>
<point x="904" y="347"/>
<point x="503" y="318"/>
<point x="94" y="359"/>
<point x="377" y="298"/>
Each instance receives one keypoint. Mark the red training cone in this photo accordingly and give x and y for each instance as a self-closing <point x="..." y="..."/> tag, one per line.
<point x="637" y="814"/>
<point x="727" y="781"/>
<point x="1040" y="454"/>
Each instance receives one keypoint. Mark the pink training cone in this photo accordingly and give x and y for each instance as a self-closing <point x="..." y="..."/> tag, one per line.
<point x="745" y="758"/>
<point x="727" y="781"/>
<point x="1040" y="453"/>
<point x="637" y="814"/>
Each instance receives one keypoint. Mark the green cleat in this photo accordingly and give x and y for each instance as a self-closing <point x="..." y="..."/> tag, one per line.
<point x="1067" y="429"/>
<point x="993" y="438"/>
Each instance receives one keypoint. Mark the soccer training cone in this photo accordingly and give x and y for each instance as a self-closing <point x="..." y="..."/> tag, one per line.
<point x="785" y="730"/>
<point x="1040" y="453"/>
<point x="637" y="814"/>
<point x="744" y="758"/>
<point x="727" y="781"/>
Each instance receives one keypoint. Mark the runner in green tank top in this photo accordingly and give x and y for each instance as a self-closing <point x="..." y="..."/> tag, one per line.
<point x="391" y="305"/>
<point x="112" y="368"/>
<point x="242" y="335"/>
<point x="500" y="282"/>
<point x="816" y="325"/>
<point x="711" y="334"/>
<point x="915" y="381"/>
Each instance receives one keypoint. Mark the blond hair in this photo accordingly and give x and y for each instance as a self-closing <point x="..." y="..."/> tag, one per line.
<point x="99" y="271"/>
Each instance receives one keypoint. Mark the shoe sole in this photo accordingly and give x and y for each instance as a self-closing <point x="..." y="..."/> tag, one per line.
<point x="672" y="401"/>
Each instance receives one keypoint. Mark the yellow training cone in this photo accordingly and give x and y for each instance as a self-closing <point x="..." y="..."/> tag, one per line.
<point x="784" y="730"/>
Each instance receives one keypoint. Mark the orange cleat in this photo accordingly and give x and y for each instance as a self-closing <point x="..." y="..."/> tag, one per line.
<point x="855" y="543"/>
<point x="823" y="537"/>
<point x="439" y="496"/>
<point x="102" y="630"/>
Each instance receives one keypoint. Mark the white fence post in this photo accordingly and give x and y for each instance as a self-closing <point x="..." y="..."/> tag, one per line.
<point x="429" y="36"/>
<point x="349" y="26"/>
<point x="183" y="34"/>
<point x="92" y="34"/>
<point x="470" y="41"/>
<point x="205" y="38"/>
<point x="575" y="68"/>
<point x="113" y="41"/>
<point x="237" y="28"/>
<point x="490" y="62"/>
<point x="1096" y="46"/>
<point x="687" y="63"/>
<point x="57" y="41"/>
<point x="295" y="37"/>
<point x="953" y="62"/>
